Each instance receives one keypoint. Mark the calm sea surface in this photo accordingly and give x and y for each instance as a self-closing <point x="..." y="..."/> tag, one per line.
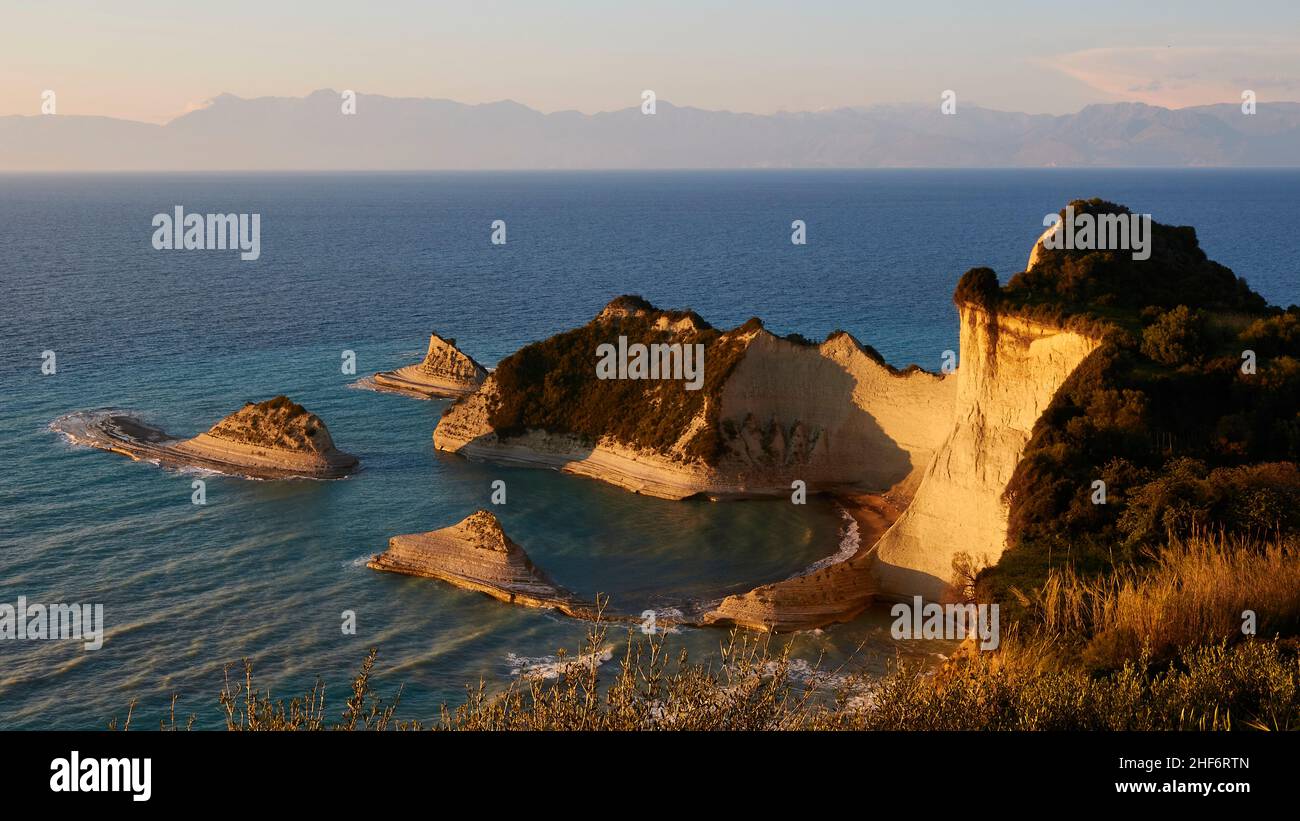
<point x="373" y="263"/>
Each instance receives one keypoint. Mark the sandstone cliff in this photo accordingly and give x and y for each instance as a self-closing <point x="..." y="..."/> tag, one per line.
<point x="772" y="410"/>
<point x="445" y="371"/>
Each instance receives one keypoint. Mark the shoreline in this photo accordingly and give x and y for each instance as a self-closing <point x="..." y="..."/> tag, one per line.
<point x="827" y="592"/>
<point x="405" y="381"/>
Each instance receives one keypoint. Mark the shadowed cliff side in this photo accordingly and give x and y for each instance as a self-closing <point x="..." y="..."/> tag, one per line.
<point x="1010" y="368"/>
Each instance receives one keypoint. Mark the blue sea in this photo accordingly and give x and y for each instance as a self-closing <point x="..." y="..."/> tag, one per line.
<point x="372" y="263"/>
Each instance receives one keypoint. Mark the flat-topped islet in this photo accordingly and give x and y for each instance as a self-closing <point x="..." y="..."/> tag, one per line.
<point x="446" y="371"/>
<point x="275" y="439"/>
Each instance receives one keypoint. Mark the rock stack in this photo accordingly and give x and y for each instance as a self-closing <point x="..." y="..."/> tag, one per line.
<point x="476" y="554"/>
<point x="445" y="372"/>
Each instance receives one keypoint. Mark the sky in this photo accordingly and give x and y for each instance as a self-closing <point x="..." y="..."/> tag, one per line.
<point x="153" y="61"/>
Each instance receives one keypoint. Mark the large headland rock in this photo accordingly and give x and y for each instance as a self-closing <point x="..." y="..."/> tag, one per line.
<point x="476" y="554"/>
<point x="941" y="449"/>
<point x="1068" y="320"/>
<point x="274" y="439"/>
<point x="770" y="410"/>
<point x="446" y="371"/>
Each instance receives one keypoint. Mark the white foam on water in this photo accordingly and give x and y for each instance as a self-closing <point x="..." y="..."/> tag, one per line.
<point x="849" y="543"/>
<point x="549" y="667"/>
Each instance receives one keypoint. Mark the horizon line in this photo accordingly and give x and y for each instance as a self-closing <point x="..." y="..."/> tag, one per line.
<point x="213" y="101"/>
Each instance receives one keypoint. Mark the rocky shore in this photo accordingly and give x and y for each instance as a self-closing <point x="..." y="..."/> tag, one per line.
<point x="445" y="371"/>
<point x="834" y="590"/>
<point x="275" y="439"/>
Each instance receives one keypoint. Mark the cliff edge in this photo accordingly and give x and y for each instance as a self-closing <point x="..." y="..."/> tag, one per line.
<point x="1010" y="368"/>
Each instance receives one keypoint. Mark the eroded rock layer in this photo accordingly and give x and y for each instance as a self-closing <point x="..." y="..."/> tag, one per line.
<point x="475" y="554"/>
<point x="445" y="371"/>
<point x="771" y="410"/>
<point x="1010" y="369"/>
<point x="275" y="439"/>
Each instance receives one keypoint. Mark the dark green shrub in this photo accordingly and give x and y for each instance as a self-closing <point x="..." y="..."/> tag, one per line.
<point x="1177" y="337"/>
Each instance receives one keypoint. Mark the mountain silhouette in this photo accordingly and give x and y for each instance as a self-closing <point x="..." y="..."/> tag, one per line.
<point x="392" y="133"/>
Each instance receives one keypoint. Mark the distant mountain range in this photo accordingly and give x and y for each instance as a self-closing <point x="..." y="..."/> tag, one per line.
<point x="387" y="133"/>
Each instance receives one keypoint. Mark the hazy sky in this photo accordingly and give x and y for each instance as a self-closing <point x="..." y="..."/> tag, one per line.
<point x="145" y="60"/>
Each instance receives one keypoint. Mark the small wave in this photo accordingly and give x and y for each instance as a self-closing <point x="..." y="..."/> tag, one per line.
<point x="850" y="541"/>
<point x="368" y="383"/>
<point x="75" y="426"/>
<point x="667" y="614"/>
<point x="549" y="667"/>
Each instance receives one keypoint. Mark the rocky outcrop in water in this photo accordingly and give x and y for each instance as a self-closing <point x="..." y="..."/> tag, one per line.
<point x="275" y="439"/>
<point x="446" y="371"/>
<point x="476" y="554"/>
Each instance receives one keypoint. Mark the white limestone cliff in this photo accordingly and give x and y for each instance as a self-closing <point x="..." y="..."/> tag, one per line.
<point x="832" y="415"/>
<point x="1010" y="368"/>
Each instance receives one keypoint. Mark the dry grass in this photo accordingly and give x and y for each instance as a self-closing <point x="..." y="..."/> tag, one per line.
<point x="1024" y="686"/>
<point x="248" y="709"/>
<point x="1254" y="684"/>
<point x="1163" y="650"/>
<point x="1196" y="593"/>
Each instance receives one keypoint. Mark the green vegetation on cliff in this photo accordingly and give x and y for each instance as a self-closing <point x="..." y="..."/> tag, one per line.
<point x="1189" y="411"/>
<point x="278" y="422"/>
<point x="552" y="385"/>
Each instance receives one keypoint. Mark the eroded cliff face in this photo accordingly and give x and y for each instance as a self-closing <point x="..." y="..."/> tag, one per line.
<point x="940" y="449"/>
<point x="1010" y="368"/>
<point x="832" y="415"/>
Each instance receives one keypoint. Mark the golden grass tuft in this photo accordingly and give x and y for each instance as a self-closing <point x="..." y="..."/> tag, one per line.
<point x="1197" y="592"/>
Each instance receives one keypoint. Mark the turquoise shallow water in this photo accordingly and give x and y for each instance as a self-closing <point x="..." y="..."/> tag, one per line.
<point x="372" y="263"/>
